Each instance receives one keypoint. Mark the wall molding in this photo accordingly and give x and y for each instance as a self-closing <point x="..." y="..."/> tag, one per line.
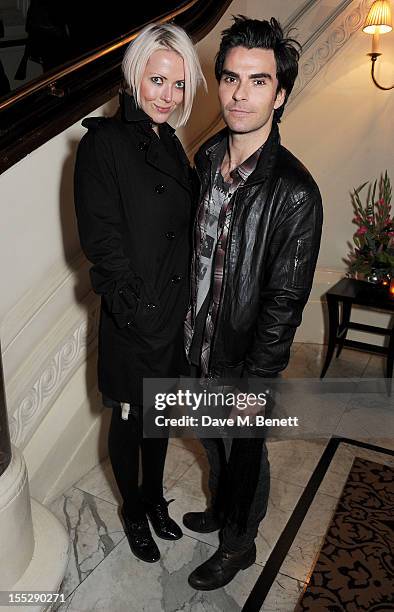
<point x="329" y="38"/>
<point x="325" y="23"/>
<point x="36" y="298"/>
<point x="299" y="14"/>
<point x="58" y="361"/>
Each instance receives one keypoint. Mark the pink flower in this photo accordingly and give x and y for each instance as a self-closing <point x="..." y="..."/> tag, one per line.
<point x="361" y="230"/>
<point x="391" y="233"/>
<point x="381" y="202"/>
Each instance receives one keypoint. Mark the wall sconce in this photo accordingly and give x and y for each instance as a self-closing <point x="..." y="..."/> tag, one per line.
<point x="378" y="22"/>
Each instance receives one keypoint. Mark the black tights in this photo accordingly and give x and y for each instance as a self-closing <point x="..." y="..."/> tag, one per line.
<point x="124" y="442"/>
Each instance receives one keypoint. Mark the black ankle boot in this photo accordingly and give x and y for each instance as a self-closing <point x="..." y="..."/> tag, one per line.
<point x="221" y="568"/>
<point x="165" y="527"/>
<point x="202" y="522"/>
<point x="140" y="538"/>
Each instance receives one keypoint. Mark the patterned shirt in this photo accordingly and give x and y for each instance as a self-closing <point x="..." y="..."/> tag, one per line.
<point x="221" y="192"/>
<point x="218" y="201"/>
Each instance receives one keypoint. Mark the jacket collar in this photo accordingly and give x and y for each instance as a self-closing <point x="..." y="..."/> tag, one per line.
<point x="265" y="162"/>
<point x="132" y="113"/>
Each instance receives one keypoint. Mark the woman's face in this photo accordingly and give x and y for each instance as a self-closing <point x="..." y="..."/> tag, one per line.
<point x="162" y="85"/>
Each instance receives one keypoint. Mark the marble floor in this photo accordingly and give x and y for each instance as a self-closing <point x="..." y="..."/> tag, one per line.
<point x="104" y="576"/>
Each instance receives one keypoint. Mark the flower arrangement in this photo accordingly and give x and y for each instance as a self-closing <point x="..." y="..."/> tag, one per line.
<point x="373" y="252"/>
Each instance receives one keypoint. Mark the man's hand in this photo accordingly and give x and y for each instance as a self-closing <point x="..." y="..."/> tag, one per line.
<point x="247" y="404"/>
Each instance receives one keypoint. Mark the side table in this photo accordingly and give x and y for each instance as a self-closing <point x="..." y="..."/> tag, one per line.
<point x="349" y="291"/>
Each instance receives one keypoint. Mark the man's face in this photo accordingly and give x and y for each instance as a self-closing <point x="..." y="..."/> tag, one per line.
<point x="247" y="90"/>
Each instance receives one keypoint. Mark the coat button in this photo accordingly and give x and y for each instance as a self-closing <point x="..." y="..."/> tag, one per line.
<point x="142" y="146"/>
<point x="176" y="279"/>
<point x="170" y="235"/>
<point x="129" y="323"/>
<point x="151" y="306"/>
<point x="160" y="188"/>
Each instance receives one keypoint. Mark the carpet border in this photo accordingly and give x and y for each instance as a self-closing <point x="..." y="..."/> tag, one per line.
<point x="274" y="562"/>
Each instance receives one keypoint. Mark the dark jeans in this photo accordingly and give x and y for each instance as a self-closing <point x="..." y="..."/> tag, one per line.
<point x="218" y="452"/>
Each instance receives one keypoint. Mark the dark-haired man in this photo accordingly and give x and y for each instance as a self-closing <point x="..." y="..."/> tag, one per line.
<point x="256" y="245"/>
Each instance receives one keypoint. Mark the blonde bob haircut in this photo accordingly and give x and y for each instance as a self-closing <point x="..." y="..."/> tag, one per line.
<point x="155" y="37"/>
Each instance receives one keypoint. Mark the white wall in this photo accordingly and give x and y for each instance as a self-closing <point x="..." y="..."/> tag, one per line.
<point x="339" y="126"/>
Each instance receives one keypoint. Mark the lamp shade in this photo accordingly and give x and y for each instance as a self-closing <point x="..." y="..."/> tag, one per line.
<point x="378" y="20"/>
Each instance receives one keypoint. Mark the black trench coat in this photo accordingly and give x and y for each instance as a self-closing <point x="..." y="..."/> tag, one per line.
<point x="133" y="196"/>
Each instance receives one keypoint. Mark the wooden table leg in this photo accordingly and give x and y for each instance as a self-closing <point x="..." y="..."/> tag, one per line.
<point x="390" y="361"/>
<point x="332" y="304"/>
<point x="346" y="312"/>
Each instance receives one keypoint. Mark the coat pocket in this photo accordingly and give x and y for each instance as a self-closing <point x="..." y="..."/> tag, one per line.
<point x="144" y="310"/>
<point x="130" y="298"/>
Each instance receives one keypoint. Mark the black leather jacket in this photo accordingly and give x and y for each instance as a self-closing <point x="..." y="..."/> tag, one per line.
<point x="271" y="256"/>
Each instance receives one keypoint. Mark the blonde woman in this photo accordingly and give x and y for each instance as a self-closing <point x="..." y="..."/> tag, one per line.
<point x="133" y="193"/>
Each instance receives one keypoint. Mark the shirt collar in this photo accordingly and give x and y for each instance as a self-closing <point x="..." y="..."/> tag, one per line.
<point x="217" y="151"/>
<point x="245" y="169"/>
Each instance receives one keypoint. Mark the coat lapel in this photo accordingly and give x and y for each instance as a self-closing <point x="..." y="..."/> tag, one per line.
<point x="178" y="168"/>
<point x="165" y="154"/>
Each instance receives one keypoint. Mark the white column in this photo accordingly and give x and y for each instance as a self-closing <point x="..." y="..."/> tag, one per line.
<point x="33" y="543"/>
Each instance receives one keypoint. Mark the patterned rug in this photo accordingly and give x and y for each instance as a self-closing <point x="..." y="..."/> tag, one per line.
<point x="354" y="570"/>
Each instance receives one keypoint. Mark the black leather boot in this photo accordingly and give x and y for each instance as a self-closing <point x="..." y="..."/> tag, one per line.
<point x="165" y="527"/>
<point x="221" y="568"/>
<point x="202" y="522"/>
<point x="140" y="538"/>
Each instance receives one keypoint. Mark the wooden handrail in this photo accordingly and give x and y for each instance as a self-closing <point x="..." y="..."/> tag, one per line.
<point x="49" y="80"/>
<point x="38" y="111"/>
